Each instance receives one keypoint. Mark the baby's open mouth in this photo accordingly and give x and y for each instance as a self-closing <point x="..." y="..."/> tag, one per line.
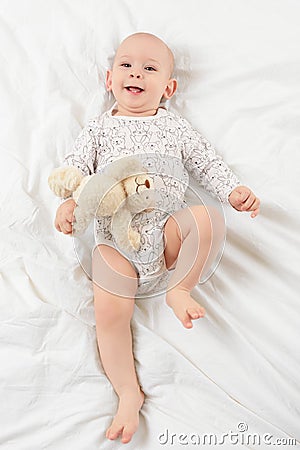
<point x="134" y="89"/>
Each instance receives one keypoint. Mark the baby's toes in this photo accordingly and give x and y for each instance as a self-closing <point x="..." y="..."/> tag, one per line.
<point x="193" y="313"/>
<point x="185" y="319"/>
<point x="127" y="434"/>
<point x="196" y="313"/>
<point x="201" y="311"/>
<point x="113" y="433"/>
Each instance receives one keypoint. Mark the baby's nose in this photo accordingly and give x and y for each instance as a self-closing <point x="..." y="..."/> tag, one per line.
<point x="135" y="74"/>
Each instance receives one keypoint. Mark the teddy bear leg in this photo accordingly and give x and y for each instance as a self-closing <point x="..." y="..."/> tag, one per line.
<point x="134" y="238"/>
<point x="126" y="238"/>
<point x="82" y="220"/>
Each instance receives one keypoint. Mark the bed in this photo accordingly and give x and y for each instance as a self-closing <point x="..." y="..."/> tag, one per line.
<point x="231" y="381"/>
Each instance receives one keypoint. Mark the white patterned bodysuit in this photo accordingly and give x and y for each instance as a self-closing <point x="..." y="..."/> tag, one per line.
<point x="169" y="148"/>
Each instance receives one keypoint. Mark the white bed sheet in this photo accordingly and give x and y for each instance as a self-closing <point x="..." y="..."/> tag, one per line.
<point x="239" y="365"/>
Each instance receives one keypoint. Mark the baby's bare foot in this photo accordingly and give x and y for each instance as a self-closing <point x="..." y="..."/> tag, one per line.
<point x="184" y="306"/>
<point x="126" y="420"/>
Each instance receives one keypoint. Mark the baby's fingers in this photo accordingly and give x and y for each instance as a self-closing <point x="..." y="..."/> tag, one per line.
<point x="57" y="226"/>
<point x="255" y="208"/>
<point x="255" y="213"/>
<point x="235" y="199"/>
<point x="244" y="196"/>
<point x="249" y="203"/>
<point x="66" y="227"/>
<point x="70" y="216"/>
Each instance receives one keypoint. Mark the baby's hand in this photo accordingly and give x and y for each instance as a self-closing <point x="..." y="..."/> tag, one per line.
<point x="243" y="199"/>
<point x="64" y="217"/>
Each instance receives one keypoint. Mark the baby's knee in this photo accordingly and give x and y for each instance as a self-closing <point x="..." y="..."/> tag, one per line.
<point x="112" y="312"/>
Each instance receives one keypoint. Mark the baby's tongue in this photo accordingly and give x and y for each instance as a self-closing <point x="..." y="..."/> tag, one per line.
<point x="134" y="89"/>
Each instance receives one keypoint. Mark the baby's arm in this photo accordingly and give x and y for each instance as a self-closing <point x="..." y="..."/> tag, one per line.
<point x="213" y="173"/>
<point x="208" y="168"/>
<point x="83" y="157"/>
<point x="243" y="199"/>
<point x="84" y="152"/>
<point x="64" y="216"/>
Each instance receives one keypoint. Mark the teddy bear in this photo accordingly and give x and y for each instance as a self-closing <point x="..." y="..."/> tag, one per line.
<point x="123" y="189"/>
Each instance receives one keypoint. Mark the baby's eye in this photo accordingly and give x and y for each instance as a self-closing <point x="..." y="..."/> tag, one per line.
<point x="150" y="68"/>
<point x="125" y="65"/>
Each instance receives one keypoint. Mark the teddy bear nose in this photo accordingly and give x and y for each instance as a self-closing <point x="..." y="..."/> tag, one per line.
<point x="147" y="184"/>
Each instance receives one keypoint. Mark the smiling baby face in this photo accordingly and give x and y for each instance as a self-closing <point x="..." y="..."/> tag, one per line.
<point x="141" y="75"/>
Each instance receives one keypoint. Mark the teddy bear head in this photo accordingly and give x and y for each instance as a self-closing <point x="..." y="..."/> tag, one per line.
<point x="139" y="193"/>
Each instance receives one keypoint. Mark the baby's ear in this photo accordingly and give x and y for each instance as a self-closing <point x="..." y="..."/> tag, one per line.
<point x="108" y="81"/>
<point x="170" y="88"/>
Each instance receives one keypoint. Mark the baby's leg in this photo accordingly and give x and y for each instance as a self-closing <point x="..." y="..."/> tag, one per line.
<point x="193" y="238"/>
<point x="115" y="284"/>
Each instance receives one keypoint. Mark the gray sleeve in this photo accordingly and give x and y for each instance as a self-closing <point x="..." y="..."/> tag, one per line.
<point x="208" y="168"/>
<point x="84" y="153"/>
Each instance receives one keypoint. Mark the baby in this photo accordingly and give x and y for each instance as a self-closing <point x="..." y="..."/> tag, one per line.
<point x="186" y="239"/>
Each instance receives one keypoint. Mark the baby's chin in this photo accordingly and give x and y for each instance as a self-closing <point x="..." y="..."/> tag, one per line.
<point x="135" y="111"/>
